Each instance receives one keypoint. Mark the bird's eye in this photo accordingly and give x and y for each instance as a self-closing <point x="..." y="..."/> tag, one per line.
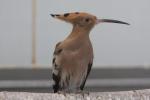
<point x="87" y="19"/>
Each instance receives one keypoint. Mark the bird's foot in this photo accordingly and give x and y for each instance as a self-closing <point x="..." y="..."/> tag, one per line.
<point x="62" y="92"/>
<point x="83" y="93"/>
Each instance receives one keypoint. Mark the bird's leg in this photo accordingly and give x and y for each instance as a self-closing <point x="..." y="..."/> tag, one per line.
<point x="82" y="92"/>
<point x="86" y="92"/>
<point x="62" y="92"/>
<point x="69" y="90"/>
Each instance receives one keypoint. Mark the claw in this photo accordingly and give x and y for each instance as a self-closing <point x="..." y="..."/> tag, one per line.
<point x="83" y="93"/>
<point x="62" y="92"/>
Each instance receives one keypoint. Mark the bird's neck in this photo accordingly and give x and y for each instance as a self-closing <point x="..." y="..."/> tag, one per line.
<point x="79" y="37"/>
<point x="78" y="31"/>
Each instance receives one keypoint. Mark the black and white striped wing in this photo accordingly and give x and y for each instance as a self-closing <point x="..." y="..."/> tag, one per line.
<point x="56" y="69"/>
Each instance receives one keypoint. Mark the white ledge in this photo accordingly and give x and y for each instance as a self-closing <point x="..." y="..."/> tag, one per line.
<point x="121" y="95"/>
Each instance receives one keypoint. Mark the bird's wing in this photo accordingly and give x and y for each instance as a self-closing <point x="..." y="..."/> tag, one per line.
<point x="55" y="69"/>
<point x="88" y="72"/>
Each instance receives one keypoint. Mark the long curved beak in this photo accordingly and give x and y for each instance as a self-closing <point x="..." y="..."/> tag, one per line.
<point x="111" y="21"/>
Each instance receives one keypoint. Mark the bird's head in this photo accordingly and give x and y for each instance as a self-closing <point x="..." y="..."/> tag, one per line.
<point x="84" y="20"/>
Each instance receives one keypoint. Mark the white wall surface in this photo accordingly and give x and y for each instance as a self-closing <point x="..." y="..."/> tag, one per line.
<point x="114" y="44"/>
<point x="15" y="32"/>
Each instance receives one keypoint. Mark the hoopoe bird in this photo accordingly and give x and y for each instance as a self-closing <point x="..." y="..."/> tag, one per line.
<point x="73" y="57"/>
